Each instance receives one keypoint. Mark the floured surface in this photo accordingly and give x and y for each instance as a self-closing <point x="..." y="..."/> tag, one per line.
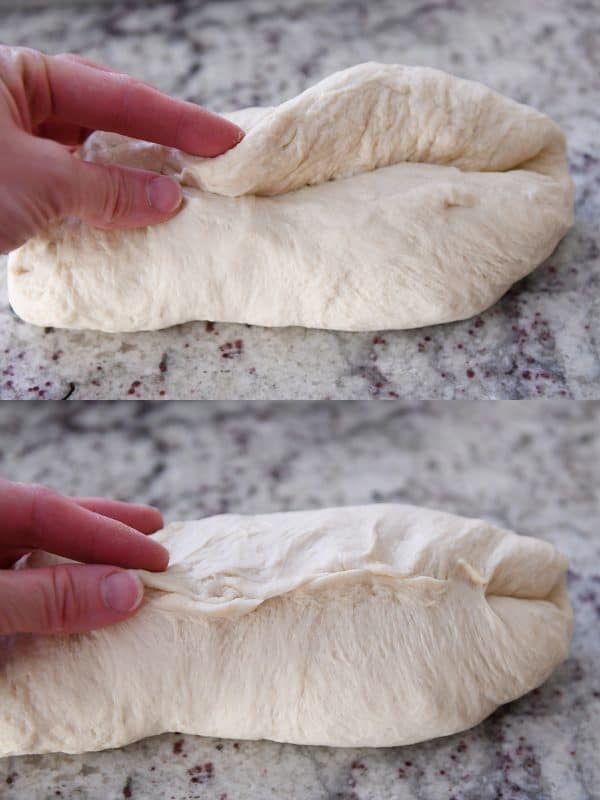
<point x="267" y="626"/>
<point x="383" y="197"/>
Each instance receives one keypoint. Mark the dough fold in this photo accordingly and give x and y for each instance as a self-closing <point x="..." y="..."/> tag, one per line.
<point x="382" y="197"/>
<point x="362" y="626"/>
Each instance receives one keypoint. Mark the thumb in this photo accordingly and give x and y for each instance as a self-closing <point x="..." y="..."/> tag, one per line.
<point x="110" y="196"/>
<point x="68" y="598"/>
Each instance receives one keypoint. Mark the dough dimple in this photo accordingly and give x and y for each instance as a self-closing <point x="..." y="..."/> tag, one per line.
<point x="382" y="197"/>
<point x="363" y="626"/>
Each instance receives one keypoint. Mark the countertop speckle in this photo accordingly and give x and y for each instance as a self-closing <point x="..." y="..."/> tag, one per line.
<point x="536" y="471"/>
<point x="540" y="340"/>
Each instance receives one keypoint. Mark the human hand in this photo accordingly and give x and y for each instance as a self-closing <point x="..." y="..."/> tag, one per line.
<point x="48" y="104"/>
<point x="69" y="598"/>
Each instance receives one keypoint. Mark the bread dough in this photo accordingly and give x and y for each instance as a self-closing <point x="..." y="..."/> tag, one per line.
<point x="355" y="627"/>
<point x="383" y="197"/>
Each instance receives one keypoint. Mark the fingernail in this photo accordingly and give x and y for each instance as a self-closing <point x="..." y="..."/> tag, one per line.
<point x="122" y="591"/>
<point x="164" y="194"/>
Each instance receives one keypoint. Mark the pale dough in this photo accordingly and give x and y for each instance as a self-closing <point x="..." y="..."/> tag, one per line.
<point x="369" y="626"/>
<point x="383" y="197"/>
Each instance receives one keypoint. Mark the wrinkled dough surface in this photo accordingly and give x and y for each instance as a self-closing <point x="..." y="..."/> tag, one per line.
<point x="367" y="626"/>
<point x="383" y="197"/>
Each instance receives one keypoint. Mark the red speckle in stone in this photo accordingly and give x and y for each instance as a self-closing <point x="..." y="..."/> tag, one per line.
<point x="162" y="392"/>
<point x="209" y="327"/>
<point x="408" y="763"/>
<point x="393" y="394"/>
<point x="479" y="322"/>
<point x="401" y="773"/>
<point x="427" y="338"/>
<point x="152" y="769"/>
<point x="186" y="344"/>
<point x="252" y="370"/>
<point x="48" y="383"/>
<point x="223" y="796"/>
<point x="470" y="373"/>
<point x="459" y="346"/>
<point x="21" y="356"/>
<point x="461" y="746"/>
<point x="56" y="355"/>
<point x="10" y="778"/>
<point x="442" y="772"/>
<point x="163" y="364"/>
<point x="236" y="745"/>
<point x="219" y="746"/>
<point x="178" y="746"/>
<point x="99" y="368"/>
<point x="229" y="349"/>
<point x="526" y="374"/>
<point x="357" y="765"/>
<point x="379" y="340"/>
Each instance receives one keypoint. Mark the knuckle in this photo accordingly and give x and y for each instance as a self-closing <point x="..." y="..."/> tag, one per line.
<point x="117" y="200"/>
<point x="61" y="604"/>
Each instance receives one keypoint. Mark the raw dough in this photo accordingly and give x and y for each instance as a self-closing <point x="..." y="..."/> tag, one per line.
<point x="444" y="193"/>
<point x="369" y="626"/>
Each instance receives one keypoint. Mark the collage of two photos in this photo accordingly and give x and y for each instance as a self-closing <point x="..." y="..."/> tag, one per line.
<point x="300" y="400"/>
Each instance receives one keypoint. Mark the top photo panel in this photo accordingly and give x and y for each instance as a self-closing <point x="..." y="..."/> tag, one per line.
<point x="299" y="200"/>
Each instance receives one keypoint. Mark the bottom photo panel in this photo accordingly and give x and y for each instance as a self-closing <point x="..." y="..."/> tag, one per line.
<point x="300" y="600"/>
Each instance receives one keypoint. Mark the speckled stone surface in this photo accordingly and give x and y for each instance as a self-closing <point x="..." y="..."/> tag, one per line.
<point x="537" y="472"/>
<point x="541" y="340"/>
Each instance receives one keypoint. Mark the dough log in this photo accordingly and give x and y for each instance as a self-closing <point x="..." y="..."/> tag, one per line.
<point x="370" y="626"/>
<point x="382" y="197"/>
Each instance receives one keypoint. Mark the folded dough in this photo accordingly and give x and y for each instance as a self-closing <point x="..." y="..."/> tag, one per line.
<point x="368" y="626"/>
<point x="383" y="197"/>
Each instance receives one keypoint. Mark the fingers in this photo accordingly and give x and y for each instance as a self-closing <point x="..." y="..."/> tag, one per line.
<point x="35" y="518"/>
<point x="50" y="184"/>
<point x="104" y="100"/>
<point x="145" y="519"/>
<point x="109" y="196"/>
<point x="63" y="132"/>
<point x="66" y="598"/>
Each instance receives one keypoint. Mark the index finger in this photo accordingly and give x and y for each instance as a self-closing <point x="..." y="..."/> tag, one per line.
<point x="111" y="101"/>
<point x="35" y="518"/>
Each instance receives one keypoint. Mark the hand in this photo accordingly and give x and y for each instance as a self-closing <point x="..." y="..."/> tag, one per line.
<point x="70" y="598"/>
<point x="48" y="104"/>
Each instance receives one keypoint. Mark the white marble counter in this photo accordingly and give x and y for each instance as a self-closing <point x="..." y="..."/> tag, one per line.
<point x="540" y="340"/>
<point x="537" y="472"/>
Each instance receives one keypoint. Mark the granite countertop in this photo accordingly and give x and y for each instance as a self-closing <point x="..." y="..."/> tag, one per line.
<point x="541" y="339"/>
<point x="537" y="473"/>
